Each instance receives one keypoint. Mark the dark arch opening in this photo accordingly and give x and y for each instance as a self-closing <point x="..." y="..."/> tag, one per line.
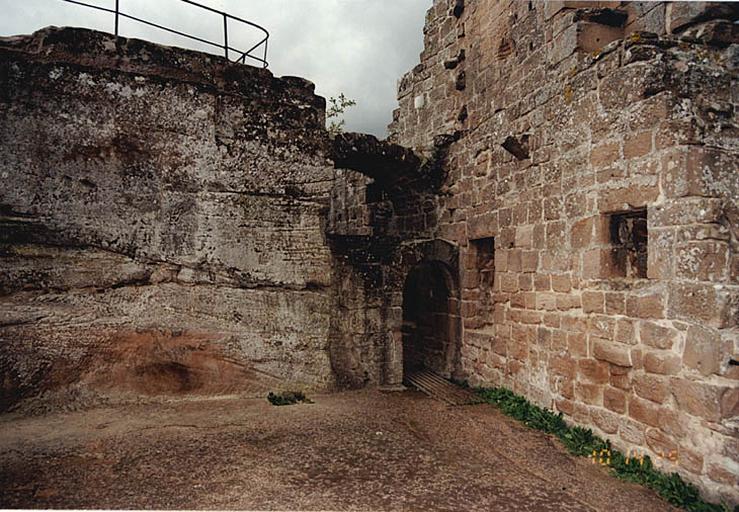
<point x="430" y="320"/>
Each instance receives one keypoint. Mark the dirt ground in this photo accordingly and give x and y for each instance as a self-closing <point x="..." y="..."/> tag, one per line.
<point x="363" y="450"/>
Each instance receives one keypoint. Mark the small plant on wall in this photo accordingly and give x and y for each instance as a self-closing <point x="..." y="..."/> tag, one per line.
<point x="336" y="108"/>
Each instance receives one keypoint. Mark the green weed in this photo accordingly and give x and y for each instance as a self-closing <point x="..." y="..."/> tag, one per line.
<point x="581" y="441"/>
<point x="288" y="398"/>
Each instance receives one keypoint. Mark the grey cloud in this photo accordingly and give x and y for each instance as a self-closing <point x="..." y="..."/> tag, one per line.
<point x="358" y="47"/>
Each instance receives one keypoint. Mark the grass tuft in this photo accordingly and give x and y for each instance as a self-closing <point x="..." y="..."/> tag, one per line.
<point x="288" y="398"/>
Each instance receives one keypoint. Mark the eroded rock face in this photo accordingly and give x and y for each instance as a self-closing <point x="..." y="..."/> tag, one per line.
<point x="169" y="226"/>
<point x="161" y="221"/>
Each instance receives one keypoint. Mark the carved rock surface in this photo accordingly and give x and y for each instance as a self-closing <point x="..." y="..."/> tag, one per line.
<point x="160" y="221"/>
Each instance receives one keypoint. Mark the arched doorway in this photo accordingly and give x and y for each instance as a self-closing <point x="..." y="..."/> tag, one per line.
<point x="430" y="320"/>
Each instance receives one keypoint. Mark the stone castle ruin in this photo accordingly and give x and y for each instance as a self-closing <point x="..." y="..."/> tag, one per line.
<point x="556" y="211"/>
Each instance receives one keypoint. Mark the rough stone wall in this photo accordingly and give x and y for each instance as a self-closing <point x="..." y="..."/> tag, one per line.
<point x="381" y="224"/>
<point x="162" y="220"/>
<point x="595" y="174"/>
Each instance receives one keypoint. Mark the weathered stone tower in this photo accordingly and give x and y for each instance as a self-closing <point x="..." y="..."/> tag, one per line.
<point x="592" y="192"/>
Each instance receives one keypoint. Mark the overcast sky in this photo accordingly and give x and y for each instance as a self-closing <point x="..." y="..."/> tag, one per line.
<point x="358" y="47"/>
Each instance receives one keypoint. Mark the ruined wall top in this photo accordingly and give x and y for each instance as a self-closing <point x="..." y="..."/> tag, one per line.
<point x="517" y="48"/>
<point x="101" y="50"/>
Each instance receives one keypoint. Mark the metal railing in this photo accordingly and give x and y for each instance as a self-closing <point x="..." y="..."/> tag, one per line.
<point x="243" y="55"/>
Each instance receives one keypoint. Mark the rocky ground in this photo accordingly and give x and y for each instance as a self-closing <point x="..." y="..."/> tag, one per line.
<point x="362" y="450"/>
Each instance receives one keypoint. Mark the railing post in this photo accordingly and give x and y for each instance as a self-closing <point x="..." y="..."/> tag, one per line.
<point x="265" y="53"/>
<point x="116" y="17"/>
<point x="225" y="34"/>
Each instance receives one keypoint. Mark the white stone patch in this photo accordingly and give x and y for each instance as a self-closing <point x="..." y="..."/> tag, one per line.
<point x="691" y="259"/>
<point x="419" y="101"/>
<point x="123" y="90"/>
<point x="86" y="79"/>
<point x="55" y="73"/>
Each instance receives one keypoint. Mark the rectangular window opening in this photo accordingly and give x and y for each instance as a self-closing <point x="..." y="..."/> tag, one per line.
<point x="484" y="258"/>
<point x="485" y="255"/>
<point x="629" y="238"/>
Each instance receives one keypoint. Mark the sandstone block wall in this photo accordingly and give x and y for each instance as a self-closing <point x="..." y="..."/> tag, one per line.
<point x="595" y="175"/>
<point x="162" y="218"/>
